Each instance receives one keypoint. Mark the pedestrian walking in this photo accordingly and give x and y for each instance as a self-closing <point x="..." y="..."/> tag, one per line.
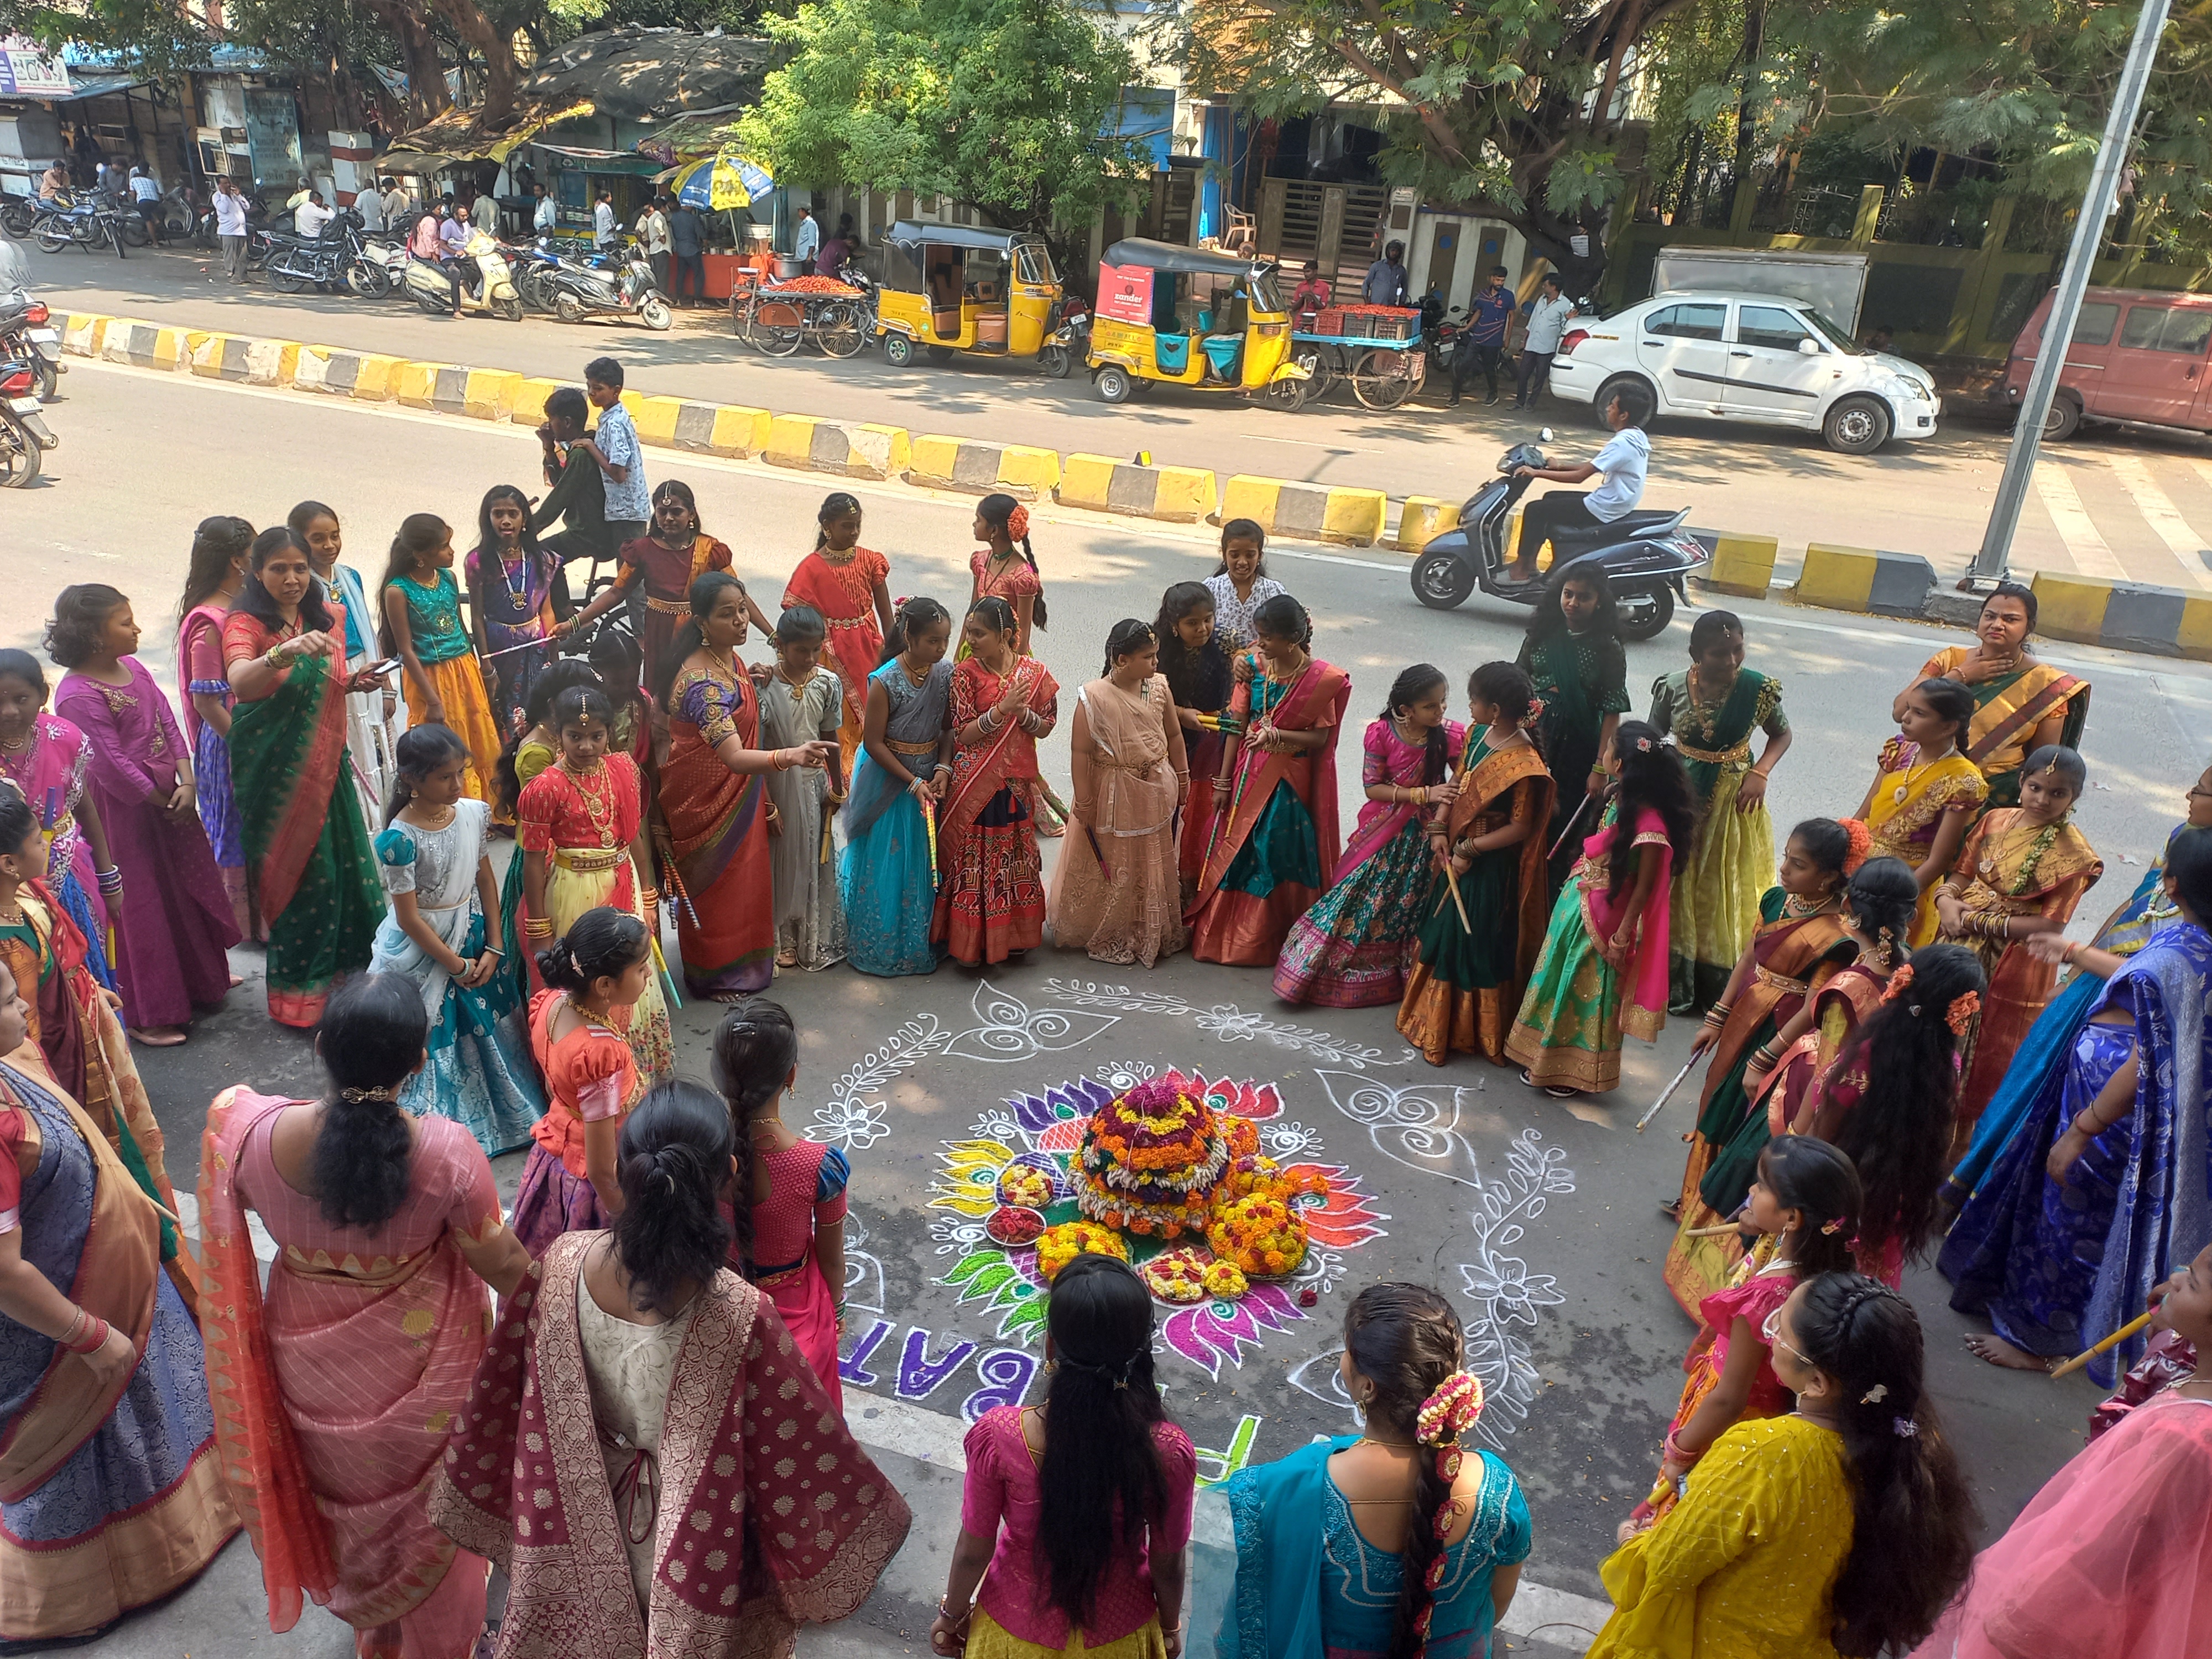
<point x="687" y="243"/>
<point x="213" y="577"/>
<point x="888" y="879"/>
<point x="230" y="227"/>
<point x="1482" y="345"/>
<point x="369" y="735"/>
<point x="1547" y="315"/>
<point x="802" y="703"/>
<point x="446" y="683"/>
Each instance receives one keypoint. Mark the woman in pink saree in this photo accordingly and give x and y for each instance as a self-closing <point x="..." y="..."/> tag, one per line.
<point x="670" y="1477"/>
<point x="334" y="1393"/>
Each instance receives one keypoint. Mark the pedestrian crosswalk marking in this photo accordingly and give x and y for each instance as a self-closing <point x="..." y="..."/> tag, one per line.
<point x="2163" y="517"/>
<point x="2091" y="555"/>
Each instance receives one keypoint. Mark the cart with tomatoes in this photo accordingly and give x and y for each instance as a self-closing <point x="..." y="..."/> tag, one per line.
<point x="1375" y="350"/>
<point x="777" y="317"/>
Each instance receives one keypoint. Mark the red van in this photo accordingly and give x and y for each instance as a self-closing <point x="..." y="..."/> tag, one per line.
<point x="2138" y="355"/>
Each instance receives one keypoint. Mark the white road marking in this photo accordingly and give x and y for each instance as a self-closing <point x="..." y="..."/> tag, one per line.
<point x="2161" y="514"/>
<point x="1305" y="443"/>
<point x="2092" y="556"/>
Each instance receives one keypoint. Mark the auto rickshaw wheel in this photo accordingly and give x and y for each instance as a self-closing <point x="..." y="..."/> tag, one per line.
<point x="898" y="349"/>
<point x="1291" y="395"/>
<point x="1054" y="362"/>
<point x="940" y="355"/>
<point x="1114" y="384"/>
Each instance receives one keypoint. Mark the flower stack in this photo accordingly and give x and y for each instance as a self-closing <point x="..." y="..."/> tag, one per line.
<point x="1150" y="1159"/>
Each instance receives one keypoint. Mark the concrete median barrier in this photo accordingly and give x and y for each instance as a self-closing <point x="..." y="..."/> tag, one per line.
<point x="236" y="357"/>
<point x="81" y="333"/>
<point x="144" y="345"/>
<point x="807" y="443"/>
<point x="1180" y="494"/>
<point x="366" y="375"/>
<point x="730" y="430"/>
<point x="983" y="469"/>
<point x="529" y="406"/>
<point x="1281" y="507"/>
<point x="1861" y="578"/>
<point x="1422" y="519"/>
<point x="2165" y="622"/>
<point x="1740" y="565"/>
<point x="480" y="394"/>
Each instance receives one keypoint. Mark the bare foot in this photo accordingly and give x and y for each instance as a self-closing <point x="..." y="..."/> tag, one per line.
<point x="236" y="980"/>
<point x="1998" y="1351"/>
<point x="158" y="1037"/>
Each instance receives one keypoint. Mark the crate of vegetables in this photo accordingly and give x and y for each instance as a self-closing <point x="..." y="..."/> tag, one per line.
<point x="813" y="288"/>
<point x="1382" y="322"/>
<point x="1329" y="320"/>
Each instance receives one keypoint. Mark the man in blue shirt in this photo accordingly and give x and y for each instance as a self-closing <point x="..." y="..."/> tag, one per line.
<point x="1483" y="344"/>
<point x="1386" y="278"/>
<point x="1622" y="463"/>
<point x="453" y="250"/>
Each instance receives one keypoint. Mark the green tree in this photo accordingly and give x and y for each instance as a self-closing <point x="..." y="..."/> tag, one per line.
<point x="997" y="103"/>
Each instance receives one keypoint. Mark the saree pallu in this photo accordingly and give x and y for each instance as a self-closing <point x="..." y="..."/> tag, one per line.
<point x="1579" y="680"/>
<point x="2007" y="712"/>
<point x="1713" y="906"/>
<point x="2059" y="1266"/>
<point x="718" y="829"/>
<point x="524" y="1482"/>
<point x="459" y="682"/>
<point x="314" y="871"/>
<point x="1579" y="1005"/>
<point x="2131" y="926"/>
<point x="1791" y="962"/>
<point x="2046" y="878"/>
<point x="990" y="895"/>
<point x="1274" y="850"/>
<point x="1466" y="982"/>
<point x="1127" y="910"/>
<point x="52" y="779"/>
<point x="200" y="673"/>
<point x="110" y="1497"/>
<point x="1845" y="1001"/>
<point x="332" y="1399"/>
<point x="887" y="883"/>
<point x="1906" y="808"/>
<point x="844" y="592"/>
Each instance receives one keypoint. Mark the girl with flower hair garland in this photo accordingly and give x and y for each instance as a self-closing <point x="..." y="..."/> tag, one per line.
<point x="1397" y="1543"/>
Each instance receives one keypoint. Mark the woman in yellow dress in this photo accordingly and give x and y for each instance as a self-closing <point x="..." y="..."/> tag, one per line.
<point x="1926" y="793"/>
<point x="1843" y="1528"/>
<point x="2020" y="705"/>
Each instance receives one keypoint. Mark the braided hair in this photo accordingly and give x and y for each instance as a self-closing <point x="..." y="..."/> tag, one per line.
<point x="755" y="1047"/>
<point x="918" y="613"/>
<point x="370" y="1041"/>
<point x="1126" y="638"/>
<point x="1411" y="686"/>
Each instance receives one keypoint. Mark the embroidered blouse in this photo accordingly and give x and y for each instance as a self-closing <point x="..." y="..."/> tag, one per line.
<point x="434" y="619"/>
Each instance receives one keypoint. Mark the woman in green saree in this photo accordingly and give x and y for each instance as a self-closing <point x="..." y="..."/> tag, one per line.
<point x="308" y="851"/>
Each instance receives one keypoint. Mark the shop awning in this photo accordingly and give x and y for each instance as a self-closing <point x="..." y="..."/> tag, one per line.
<point x="95" y="86"/>
<point x="604" y="160"/>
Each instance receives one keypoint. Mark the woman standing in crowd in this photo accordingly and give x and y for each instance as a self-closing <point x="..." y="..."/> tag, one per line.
<point x="789" y="1194"/>
<point x="2143" y="913"/>
<point x="1004" y="571"/>
<point x="1114" y="890"/>
<point x="1573" y="653"/>
<point x="213" y="580"/>
<point x="1275" y="839"/>
<point x="369" y="736"/>
<point x="1840" y="1529"/>
<point x="2110" y="1558"/>
<point x="594" y="977"/>
<point x="1349" y="951"/>
<point x="2020" y="704"/>
<point x="1406" y="1539"/>
<point x="580" y="827"/>
<point x="888" y="880"/>
<point x="173" y="914"/>
<point x="1469" y="975"/>
<point x="658" y="570"/>
<point x="49" y="762"/>
<point x="1925" y="794"/>
<point x="1800" y="942"/>
<point x="1240" y="584"/>
<point x="714" y="799"/>
<point x="1092" y="1488"/>
<point x="990" y="893"/>
<point x="446" y="685"/>
<point x="2077" y="1219"/>
<point x="1194" y="659"/>
<point x="848" y="584"/>
<point x="312" y="869"/>
<point x="111" y="1492"/>
<point x="2021" y="872"/>
<point x="510" y="583"/>
<point x="1602" y="970"/>
<point x="334" y="1388"/>
<point x="1710" y="710"/>
<point x="803" y="703"/>
<point x="637" y="1348"/>
<point x="448" y="935"/>
<point x="1804" y="1205"/>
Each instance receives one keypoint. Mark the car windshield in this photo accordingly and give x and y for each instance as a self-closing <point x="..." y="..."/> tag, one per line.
<point x="1834" y="335"/>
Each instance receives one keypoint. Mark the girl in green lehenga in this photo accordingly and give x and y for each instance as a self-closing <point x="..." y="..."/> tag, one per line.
<point x="307" y="848"/>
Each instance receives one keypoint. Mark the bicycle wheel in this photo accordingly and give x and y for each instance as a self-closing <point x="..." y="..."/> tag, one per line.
<point x="838" y="329"/>
<point x="1382" y="378"/>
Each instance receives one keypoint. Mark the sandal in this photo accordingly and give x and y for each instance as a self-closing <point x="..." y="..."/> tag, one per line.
<point x="1551" y="1089"/>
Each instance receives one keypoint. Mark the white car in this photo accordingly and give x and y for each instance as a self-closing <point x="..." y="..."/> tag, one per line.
<point x="1747" y="357"/>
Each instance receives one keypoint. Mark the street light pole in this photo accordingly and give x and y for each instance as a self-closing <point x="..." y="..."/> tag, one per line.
<point x="2097" y="203"/>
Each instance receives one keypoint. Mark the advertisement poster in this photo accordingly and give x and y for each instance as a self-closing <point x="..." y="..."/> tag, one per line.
<point x="28" y="72"/>
<point x="1125" y="294"/>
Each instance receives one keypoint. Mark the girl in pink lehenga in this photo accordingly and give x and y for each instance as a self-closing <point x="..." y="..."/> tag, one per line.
<point x="1115" y="892"/>
<point x="335" y="1389"/>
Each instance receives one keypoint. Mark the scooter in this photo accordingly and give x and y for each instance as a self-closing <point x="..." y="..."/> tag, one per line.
<point x="578" y="291"/>
<point x="24" y="438"/>
<point x="27" y="336"/>
<point x="1644" y="554"/>
<point x="429" y="286"/>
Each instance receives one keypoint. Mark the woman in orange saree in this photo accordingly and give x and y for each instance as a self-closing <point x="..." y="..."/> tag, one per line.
<point x="714" y="800"/>
<point x="1275" y="835"/>
<point x="334" y="1388"/>
<point x="848" y="584"/>
<point x="990" y="895"/>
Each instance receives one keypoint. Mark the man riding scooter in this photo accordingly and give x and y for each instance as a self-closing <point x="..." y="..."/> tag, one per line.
<point x="1622" y="463"/>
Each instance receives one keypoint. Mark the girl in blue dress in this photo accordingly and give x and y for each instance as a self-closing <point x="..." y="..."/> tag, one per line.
<point x="886" y="883"/>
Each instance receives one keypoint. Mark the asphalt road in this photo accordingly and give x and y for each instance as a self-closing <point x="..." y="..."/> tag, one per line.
<point x="1535" y="1217"/>
<point x="2135" y="504"/>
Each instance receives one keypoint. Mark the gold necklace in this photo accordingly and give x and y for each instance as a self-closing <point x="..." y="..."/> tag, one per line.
<point x="599" y="806"/>
<point x="1912" y="772"/>
<point x="1394" y="1445"/>
<point x="1795" y="909"/>
<point x="906" y="669"/>
<point x="590" y="1018"/>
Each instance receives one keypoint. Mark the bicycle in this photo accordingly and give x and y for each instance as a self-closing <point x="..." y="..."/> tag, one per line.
<point x="779" y="325"/>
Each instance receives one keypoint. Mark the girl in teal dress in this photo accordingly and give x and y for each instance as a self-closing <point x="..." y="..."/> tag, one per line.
<point x="444" y="683"/>
<point x="887" y="883"/>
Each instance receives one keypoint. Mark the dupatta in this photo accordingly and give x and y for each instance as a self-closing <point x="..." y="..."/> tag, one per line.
<point x="287" y="750"/>
<point x="1379" y="822"/>
<point x="1719" y="731"/>
<point x="1492" y="778"/>
<point x="750" y="1540"/>
<point x="209" y="618"/>
<point x="2007" y="711"/>
<point x="1320" y="690"/>
<point x="978" y="773"/>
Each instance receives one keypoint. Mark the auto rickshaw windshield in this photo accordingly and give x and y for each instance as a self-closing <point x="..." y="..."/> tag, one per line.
<point x="1033" y="264"/>
<point x="1262" y="287"/>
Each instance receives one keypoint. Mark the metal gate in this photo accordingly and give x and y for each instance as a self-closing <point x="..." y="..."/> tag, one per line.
<point x="1332" y="226"/>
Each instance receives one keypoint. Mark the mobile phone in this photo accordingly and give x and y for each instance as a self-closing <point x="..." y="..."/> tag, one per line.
<point x="389" y="667"/>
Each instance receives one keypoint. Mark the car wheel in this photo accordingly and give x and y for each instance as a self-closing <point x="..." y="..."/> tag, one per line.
<point x="1857" y="426"/>
<point x="898" y="349"/>
<point x="1443" y="580"/>
<point x="2062" y="420"/>
<point x="1644" y="616"/>
<point x="1114" y="384"/>
<point x="1632" y="385"/>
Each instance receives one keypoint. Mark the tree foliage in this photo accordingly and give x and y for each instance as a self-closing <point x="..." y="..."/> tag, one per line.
<point x="997" y="103"/>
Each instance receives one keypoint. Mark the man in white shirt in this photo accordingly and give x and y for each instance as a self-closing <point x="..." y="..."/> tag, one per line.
<point x="370" y="205"/>
<point x="652" y="233"/>
<point x="146" y="196"/>
<point x="293" y="203"/>
<point x="1547" y="320"/>
<point x="806" y="240"/>
<point x="603" y="222"/>
<point x="230" y="226"/>
<point x="1622" y="464"/>
<point x="545" y="218"/>
<point x="312" y="215"/>
<point x="398" y="204"/>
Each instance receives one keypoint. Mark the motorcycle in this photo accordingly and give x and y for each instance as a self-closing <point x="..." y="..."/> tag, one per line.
<point x="24" y="437"/>
<point x="1067" y="337"/>
<point x="337" y="257"/>
<point x="429" y="286"/>
<point x="93" y="226"/>
<point x="579" y="291"/>
<point x="1644" y="554"/>
<point x="1440" y="333"/>
<point x="27" y="335"/>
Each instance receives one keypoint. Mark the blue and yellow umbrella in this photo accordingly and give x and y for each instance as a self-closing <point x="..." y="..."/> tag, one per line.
<point x="722" y="182"/>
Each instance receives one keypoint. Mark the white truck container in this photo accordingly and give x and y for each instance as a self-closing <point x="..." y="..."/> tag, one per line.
<point x="1834" y="284"/>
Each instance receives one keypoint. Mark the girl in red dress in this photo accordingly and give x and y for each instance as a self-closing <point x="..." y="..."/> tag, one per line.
<point x="847" y="583"/>
<point x="990" y="900"/>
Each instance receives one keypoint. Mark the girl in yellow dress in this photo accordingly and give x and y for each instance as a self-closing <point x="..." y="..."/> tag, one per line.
<point x="1925" y="794"/>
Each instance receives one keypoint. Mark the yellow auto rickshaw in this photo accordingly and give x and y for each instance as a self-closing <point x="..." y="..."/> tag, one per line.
<point x="1190" y="317"/>
<point x="963" y="288"/>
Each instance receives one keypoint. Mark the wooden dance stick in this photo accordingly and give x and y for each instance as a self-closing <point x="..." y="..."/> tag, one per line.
<point x="1667" y="1094"/>
<point x="1452" y="876"/>
<point x="929" y="823"/>
<point x="527" y="645"/>
<point x="1715" y="1232"/>
<point x="2133" y="1328"/>
<point x="1570" y="829"/>
<point x="675" y="877"/>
